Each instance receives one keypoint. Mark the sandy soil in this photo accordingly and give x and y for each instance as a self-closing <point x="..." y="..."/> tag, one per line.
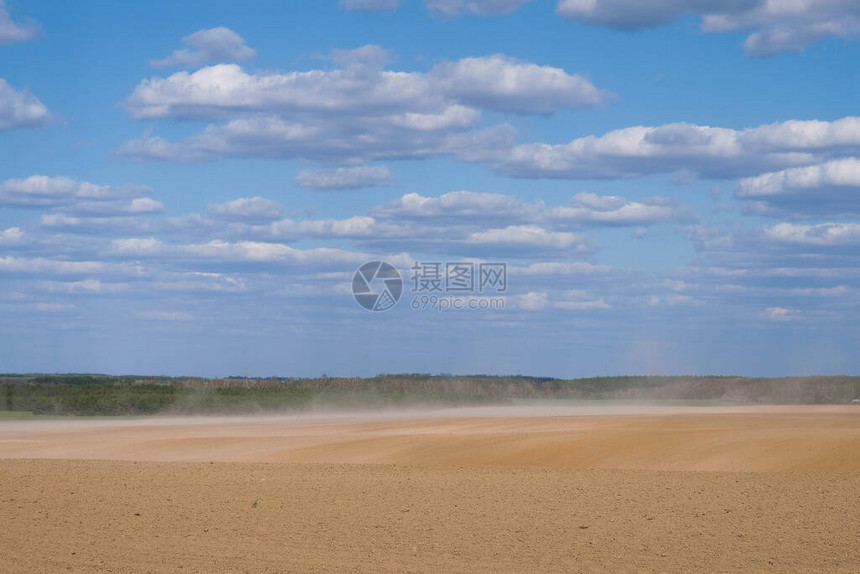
<point x="670" y="489"/>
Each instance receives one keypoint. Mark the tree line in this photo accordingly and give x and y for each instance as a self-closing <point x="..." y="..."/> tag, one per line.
<point x="97" y="394"/>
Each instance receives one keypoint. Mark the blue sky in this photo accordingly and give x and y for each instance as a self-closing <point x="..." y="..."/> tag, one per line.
<point x="189" y="188"/>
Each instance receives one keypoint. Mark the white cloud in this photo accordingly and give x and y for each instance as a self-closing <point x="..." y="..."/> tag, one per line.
<point x="166" y="315"/>
<point x="457" y="204"/>
<point x="493" y="82"/>
<point x="247" y="209"/>
<point x="346" y="178"/>
<point x="533" y="301"/>
<point x="98" y="223"/>
<point x="73" y="196"/>
<point x="205" y="47"/>
<point x="780" y="26"/>
<point x="51" y="307"/>
<point x="565" y="268"/>
<point x="20" y="109"/>
<point x="244" y="246"/>
<point x="613" y="210"/>
<point x="774" y="26"/>
<point x="583" y="305"/>
<point x="84" y="286"/>
<point x="583" y="208"/>
<point x="780" y="314"/>
<point x="353" y="114"/>
<point x="225" y="89"/>
<point x="370" y="55"/>
<point x="631" y="14"/>
<point x="219" y="251"/>
<point x="138" y="247"/>
<point x="705" y="150"/>
<point x="256" y="251"/>
<point x="505" y="84"/>
<point x="42" y="190"/>
<point x="821" y="235"/>
<point x="11" y="236"/>
<point x="196" y="282"/>
<point x="131" y="206"/>
<point x="13" y="32"/>
<point x="39" y="265"/>
<point x="830" y="188"/>
<point x="837" y="291"/>
<point x="844" y="173"/>
<point x="291" y="230"/>
<point x="538" y="301"/>
<point x="353" y="139"/>
<point x="532" y="236"/>
<point x="455" y="8"/>
<point x="371" y="5"/>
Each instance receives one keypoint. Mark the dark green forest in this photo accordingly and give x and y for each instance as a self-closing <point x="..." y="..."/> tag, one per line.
<point x="94" y="394"/>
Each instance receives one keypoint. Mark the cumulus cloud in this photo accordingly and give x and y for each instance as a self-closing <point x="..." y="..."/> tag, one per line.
<point x="821" y="235"/>
<point x="630" y="14"/>
<point x="703" y="150"/>
<point x="561" y="268"/>
<point x="205" y="47"/>
<point x="97" y="223"/>
<point x="196" y="282"/>
<point x="45" y="266"/>
<point x="539" y="301"/>
<point x="614" y="210"/>
<point x="41" y="190"/>
<point x="356" y="139"/>
<point x="780" y="314"/>
<point x="532" y="236"/>
<point x="774" y="26"/>
<point x="455" y="8"/>
<point x="83" y="286"/>
<point x="11" y="236"/>
<point x="20" y="109"/>
<point x="839" y="173"/>
<point x="244" y="252"/>
<point x="247" y="209"/>
<point x="369" y="55"/>
<point x="371" y="5"/>
<point x="292" y="230"/>
<point x="13" y="32"/>
<point x="73" y="196"/>
<point x="94" y="245"/>
<point x="457" y="204"/>
<point x="130" y="206"/>
<point x="246" y="246"/>
<point x="583" y="305"/>
<point x="352" y="114"/>
<point x="458" y="222"/>
<point x="166" y="315"/>
<point x="506" y="84"/>
<point x="787" y="265"/>
<point x="533" y="301"/>
<point x="581" y="209"/>
<point x="223" y="89"/>
<point x="777" y="26"/>
<point x="346" y="178"/>
<point x="832" y="187"/>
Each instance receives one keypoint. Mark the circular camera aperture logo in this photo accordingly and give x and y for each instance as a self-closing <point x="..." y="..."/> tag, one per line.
<point x="377" y="286"/>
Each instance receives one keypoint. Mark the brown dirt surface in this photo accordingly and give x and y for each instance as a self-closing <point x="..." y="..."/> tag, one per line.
<point x="765" y="489"/>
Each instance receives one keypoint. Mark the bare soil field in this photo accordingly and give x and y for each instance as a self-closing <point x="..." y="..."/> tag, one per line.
<point x="525" y="489"/>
